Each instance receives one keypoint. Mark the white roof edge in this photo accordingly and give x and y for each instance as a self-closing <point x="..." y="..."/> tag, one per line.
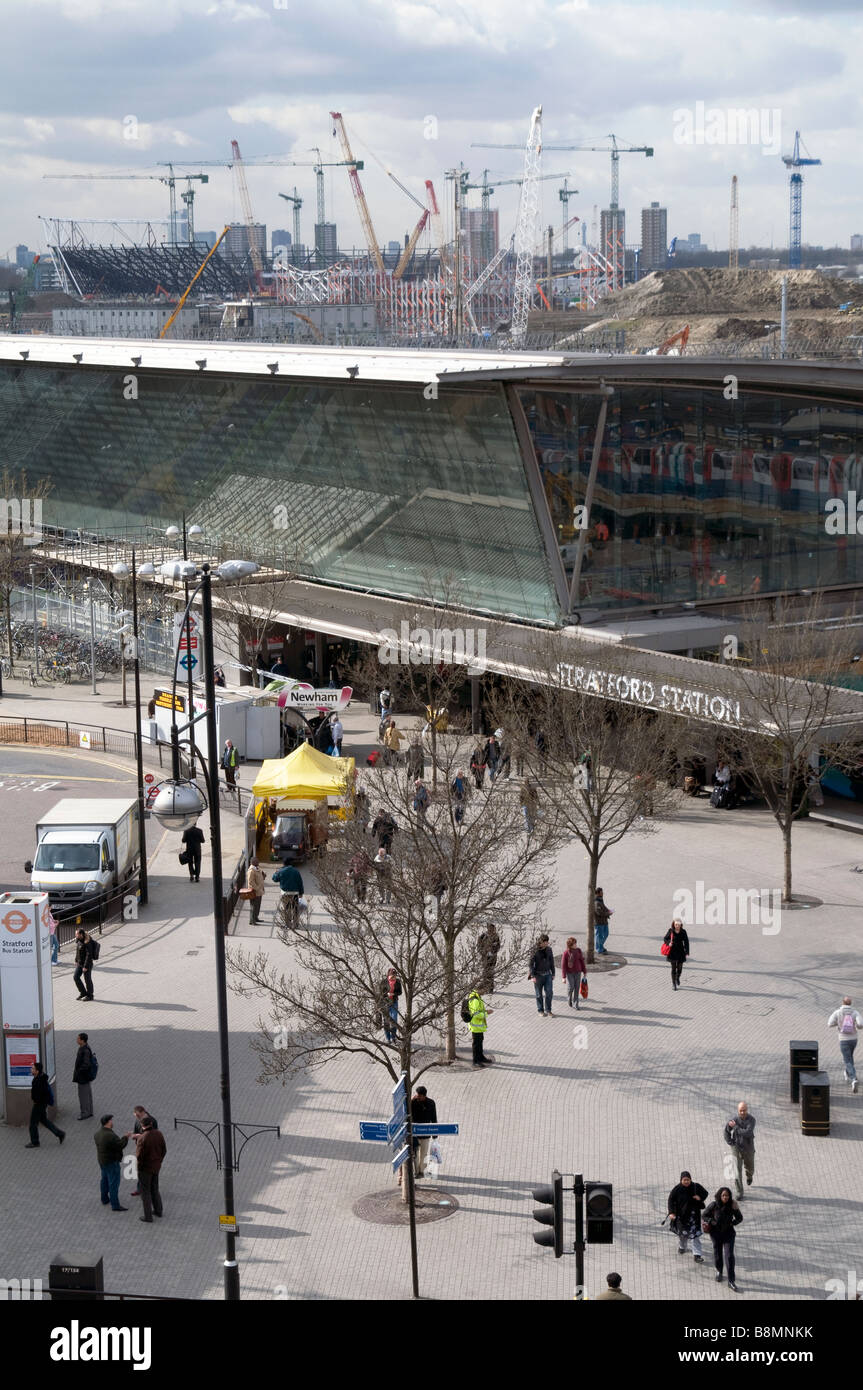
<point x="411" y="365"/>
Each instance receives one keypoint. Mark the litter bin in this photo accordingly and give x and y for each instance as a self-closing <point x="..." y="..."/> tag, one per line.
<point x="815" y="1102"/>
<point x="804" y="1057"/>
<point x="78" y="1276"/>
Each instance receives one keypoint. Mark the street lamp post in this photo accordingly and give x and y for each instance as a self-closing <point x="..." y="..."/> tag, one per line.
<point x="35" y="634"/>
<point x="121" y="569"/>
<point x="172" y="534"/>
<point x="172" y="817"/>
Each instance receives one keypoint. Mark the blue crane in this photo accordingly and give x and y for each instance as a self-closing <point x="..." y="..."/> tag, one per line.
<point x="795" y="163"/>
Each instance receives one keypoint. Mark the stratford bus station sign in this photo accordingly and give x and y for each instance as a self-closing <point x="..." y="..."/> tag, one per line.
<point x="676" y="699"/>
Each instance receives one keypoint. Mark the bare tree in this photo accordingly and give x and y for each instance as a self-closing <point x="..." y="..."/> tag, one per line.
<point x="798" y="718"/>
<point x="247" y="613"/>
<point x="17" y="535"/>
<point x="600" y="767"/>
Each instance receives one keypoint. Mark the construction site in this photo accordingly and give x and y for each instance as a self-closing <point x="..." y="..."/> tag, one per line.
<point x="455" y="280"/>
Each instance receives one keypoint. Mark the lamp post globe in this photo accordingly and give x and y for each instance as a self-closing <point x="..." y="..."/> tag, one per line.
<point x="178" y="805"/>
<point x="178" y="569"/>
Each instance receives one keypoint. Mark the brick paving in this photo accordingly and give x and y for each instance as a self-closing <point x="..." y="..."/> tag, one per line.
<point x="647" y="1096"/>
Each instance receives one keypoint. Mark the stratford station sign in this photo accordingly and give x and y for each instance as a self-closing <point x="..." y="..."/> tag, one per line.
<point x="636" y="690"/>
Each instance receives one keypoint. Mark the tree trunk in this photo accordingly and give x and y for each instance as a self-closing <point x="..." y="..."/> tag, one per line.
<point x="786" y="847"/>
<point x="449" y="986"/>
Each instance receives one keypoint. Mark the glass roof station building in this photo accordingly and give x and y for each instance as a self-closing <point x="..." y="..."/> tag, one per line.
<point x="634" y="494"/>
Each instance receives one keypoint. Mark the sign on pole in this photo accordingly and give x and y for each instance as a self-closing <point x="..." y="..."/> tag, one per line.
<point x="400" y="1136"/>
<point x="400" y="1159"/>
<point x="375" y="1130"/>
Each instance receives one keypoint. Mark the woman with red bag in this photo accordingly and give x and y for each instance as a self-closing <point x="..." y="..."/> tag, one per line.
<point x="573" y="970"/>
<point x="678" y="949"/>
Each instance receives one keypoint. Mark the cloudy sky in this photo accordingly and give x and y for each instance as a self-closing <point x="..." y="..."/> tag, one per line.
<point x="119" y="85"/>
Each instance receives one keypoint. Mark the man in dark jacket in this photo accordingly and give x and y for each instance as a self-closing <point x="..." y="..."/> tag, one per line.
<point x="193" y="839"/>
<point x="423" y="1112"/>
<point x="383" y="829"/>
<point x="141" y="1114"/>
<point x="82" y="1076"/>
<point x="685" y="1205"/>
<point x="602" y="913"/>
<point x="151" y="1153"/>
<point x="109" y="1148"/>
<point x="740" y="1134"/>
<point x="42" y="1096"/>
<point x="542" y="975"/>
<point x="84" y="956"/>
<point x="290" y="880"/>
<point x="488" y="949"/>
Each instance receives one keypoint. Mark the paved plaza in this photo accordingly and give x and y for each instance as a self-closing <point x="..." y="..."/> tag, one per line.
<point x="642" y="1093"/>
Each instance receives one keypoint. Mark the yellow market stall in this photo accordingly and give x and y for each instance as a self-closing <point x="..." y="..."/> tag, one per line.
<point x="308" y="782"/>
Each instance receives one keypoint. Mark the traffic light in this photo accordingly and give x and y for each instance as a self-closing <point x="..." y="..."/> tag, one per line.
<point x="600" y="1213"/>
<point x="551" y="1197"/>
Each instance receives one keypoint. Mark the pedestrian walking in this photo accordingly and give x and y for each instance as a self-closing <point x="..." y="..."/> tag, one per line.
<point x="83" y="1075"/>
<point x="290" y="880"/>
<point x="193" y="839"/>
<point x="41" y="1097"/>
<point x="849" y="1022"/>
<point x="382" y="865"/>
<point x="255" y="881"/>
<point x="229" y="763"/>
<point x="573" y="970"/>
<point x="720" y="1219"/>
<point x="459" y="795"/>
<point x="477" y="1021"/>
<point x="677" y="942"/>
<point x="416" y="760"/>
<point x="423" y="1112"/>
<point x="141" y="1114"/>
<point x="151" y="1155"/>
<point x="542" y="975"/>
<point x="86" y="952"/>
<point x="392" y="744"/>
<point x="492" y="756"/>
<point x="614" y="1292"/>
<point x="504" y="755"/>
<point x="529" y="804"/>
<point x="421" y="799"/>
<point x="477" y="766"/>
<point x="740" y="1134"/>
<point x="359" y="872"/>
<point x="685" y="1209"/>
<point x="601" y="916"/>
<point x="55" y="937"/>
<point x="383" y="829"/>
<point x="109" y="1149"/>
<point x="337" y="733"/>
<point x="488" y="946"/>
<point x="389" y="1004"/>
<point x="386" y="703"/>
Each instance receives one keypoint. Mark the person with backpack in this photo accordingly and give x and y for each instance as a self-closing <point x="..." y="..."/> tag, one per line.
<point x="83" y="1075"/>
<point x="541" y="975"/>
<point x="685" y="1205"/>
<point x="602" y="914"/>
<point x="677" y="942"/>
<point x="740" y="1134"/>
<point x="41" y="1096"/>
<point x="849" y="1022"/>
<point x="475" y="1015"/>
<point x="86" y="952"/>
<point x="720" y="1219"/>
<point x="573" y="970"/>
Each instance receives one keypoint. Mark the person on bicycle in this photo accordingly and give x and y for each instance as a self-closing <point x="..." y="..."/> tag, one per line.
<point x="290" y="880"/>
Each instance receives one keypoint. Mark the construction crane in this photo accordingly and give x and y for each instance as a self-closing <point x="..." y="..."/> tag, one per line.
<point x="298" y="203"/>
<point x="564" y="194"/>
<point x="675" y="346"/>
<point x="733" y="228"/>
<point x="357" y="189"/>
<point x="525" y="230"/>
<point x="795" y="162"/>
<point x="185" y="295"/>
<point x="486" y="190"/>
<point x="614" y="149"/>
<point x="438" y="233"/>
<point x="254" y="250"/>
<point x="404" y="258"/>
<point x="171" y="180"/>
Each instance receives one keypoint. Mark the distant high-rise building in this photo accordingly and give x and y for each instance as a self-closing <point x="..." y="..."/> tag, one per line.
<point x="857" y="241"/>
<point x="654" y="238"/>
<point x="693" y="241"/>
<point x="394" y="248"/>
<point x="206" y="238"/>
<point x="326" y="242"/>
<point x="479" y="235"/>
<point x="24" y="257"/>
<point x="45" y="275"/>
<point x="279" y="238"/>
<point x="236" y="243"/>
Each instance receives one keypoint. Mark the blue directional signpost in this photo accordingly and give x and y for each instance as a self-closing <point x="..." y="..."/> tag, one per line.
<point x="399" y="1132"/>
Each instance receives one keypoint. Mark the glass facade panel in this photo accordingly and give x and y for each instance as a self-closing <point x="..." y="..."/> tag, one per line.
<point x="697" y="496"/>
<point x="372" y="487"/>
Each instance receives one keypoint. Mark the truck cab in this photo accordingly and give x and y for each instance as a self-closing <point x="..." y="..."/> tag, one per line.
<point x="73" y="866"/>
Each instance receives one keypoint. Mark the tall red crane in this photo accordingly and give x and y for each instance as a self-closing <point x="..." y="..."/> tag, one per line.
<point x="357" y="189"/>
